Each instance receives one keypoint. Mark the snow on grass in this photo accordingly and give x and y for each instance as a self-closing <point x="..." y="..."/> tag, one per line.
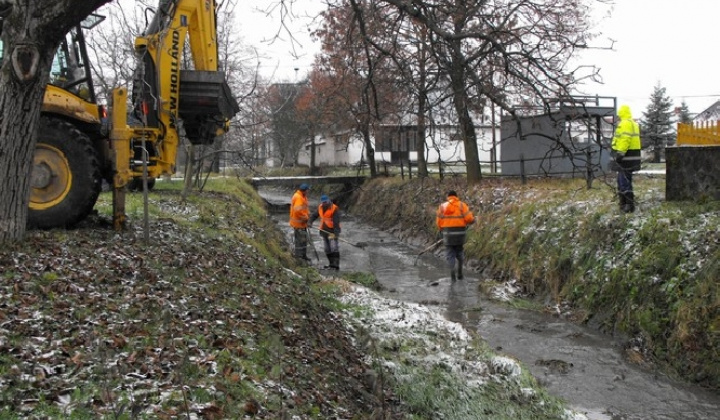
<point x="415" y="342"/>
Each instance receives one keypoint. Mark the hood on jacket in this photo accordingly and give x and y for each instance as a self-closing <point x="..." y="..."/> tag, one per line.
<point x="624" y="113"/>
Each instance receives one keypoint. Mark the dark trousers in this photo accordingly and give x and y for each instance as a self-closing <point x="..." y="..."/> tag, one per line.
<point x="332" y="251"/>
<point x="453" y="253"/>
<point x="330" y="245"/>
<point x="625" y="191"/>
<point x="624" y="182"/>
<point x="300" y="240"/>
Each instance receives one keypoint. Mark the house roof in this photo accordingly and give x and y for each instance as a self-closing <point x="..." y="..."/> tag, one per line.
<point x="712" y="113"/>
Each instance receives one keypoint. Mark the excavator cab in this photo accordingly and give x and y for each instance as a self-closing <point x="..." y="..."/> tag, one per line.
<point x="71" y="67"/>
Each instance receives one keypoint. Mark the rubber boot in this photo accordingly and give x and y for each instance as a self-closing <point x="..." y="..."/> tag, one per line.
<point x="630" y="201"/>
<point x="459" y="270"/>
<point x="622" y="201"/>
<point x="452" y="275"/>
<point x="335" y="261"/>
<point x="329" y="256"/>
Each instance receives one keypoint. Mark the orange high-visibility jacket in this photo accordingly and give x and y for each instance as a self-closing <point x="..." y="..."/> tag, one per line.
<point x="327" y="217"/>
<point x="453" y="214"/>
<point x="299" y="213"/>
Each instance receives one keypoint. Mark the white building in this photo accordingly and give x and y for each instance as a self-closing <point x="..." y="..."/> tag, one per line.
<point x="399" y="142"/>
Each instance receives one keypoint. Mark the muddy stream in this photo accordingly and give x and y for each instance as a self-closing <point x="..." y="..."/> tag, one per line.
<point x="578" y="364"/>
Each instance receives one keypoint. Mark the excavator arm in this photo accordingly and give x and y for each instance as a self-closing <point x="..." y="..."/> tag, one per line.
<point x="171" y="92"/>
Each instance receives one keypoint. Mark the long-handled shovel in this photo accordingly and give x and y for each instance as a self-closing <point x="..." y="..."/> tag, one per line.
<point x="358" y="245"/>
<point x="430" y="248"/>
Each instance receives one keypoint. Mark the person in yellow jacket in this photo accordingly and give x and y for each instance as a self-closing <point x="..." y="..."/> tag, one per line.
<point x="626" y="153"/>
<point x="329" y="213"/>
<point x="299" y="216"/>
<point x="452" y="218"/>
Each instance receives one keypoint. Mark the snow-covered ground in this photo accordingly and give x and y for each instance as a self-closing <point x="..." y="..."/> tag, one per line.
<point x="421" y="334"/>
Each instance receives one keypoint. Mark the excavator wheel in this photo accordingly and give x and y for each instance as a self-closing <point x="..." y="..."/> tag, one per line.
<point x="66" y="178"/>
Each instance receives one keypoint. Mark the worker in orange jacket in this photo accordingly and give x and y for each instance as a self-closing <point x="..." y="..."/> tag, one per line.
<point x="453" y="217"/>
<point x="329" y="213"/>
<point x="299" y="216"/>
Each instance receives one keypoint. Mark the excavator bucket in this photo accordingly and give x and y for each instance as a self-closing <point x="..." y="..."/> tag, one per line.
<point x="206" y="104"/>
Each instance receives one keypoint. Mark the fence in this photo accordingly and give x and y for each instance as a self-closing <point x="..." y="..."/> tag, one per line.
<point x="585" y="164"/>
<point x="705" y="133"/>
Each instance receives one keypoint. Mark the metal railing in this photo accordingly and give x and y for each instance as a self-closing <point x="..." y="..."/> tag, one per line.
<point x="584" y="164"/>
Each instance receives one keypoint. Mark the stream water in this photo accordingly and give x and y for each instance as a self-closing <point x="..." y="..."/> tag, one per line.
<point x="578" y="364"/>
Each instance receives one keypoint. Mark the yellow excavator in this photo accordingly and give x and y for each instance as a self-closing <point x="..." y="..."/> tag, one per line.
<point x="80" y="144"/>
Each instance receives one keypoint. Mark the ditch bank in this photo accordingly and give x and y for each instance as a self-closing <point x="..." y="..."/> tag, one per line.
<point x="646" y="278"/>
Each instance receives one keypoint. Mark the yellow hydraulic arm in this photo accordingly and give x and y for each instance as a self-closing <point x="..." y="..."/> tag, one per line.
<point x="164" y="93"/>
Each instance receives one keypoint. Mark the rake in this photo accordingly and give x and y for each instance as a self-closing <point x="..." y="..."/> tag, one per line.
<point x="312" y="245"/>
<point x="430" y="248"/>
<point x="358" y="245"/>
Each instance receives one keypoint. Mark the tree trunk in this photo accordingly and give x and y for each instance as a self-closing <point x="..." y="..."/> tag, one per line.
<point x="18" y="125"/>
<point x="218" y="145"/>
<point x="421" y="162"/>
<point x="467" y="127"/>
<point x="189" y="170"/>
<point x="31" y="31"/>
<point x="313" y="164"/>
<point x="422" y="100"/>
<point x="369" y="150"/>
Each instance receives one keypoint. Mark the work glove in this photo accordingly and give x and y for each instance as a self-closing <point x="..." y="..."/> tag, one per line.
<point x="439" y="235"/>
<point x="618" y="158"/>
<point x="332" y="236"/>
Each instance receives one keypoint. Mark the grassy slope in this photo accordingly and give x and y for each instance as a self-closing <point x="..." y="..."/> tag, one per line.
<point x="204" y="320"/>
<point x="651" y="276"/>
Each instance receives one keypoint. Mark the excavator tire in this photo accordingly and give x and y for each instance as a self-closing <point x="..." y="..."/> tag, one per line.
<point x="66" y="177"/>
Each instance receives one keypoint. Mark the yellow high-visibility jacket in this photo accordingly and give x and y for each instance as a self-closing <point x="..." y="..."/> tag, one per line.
<point x="626" y="141"/>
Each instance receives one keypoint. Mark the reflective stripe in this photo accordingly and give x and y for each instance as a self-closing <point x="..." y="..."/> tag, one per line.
<point x="299" y="214"/>
<point x="453" y="214"/>
<point x="327" y="215"/>
<point x="629" y="133"/>
<point x="460" y="207"/>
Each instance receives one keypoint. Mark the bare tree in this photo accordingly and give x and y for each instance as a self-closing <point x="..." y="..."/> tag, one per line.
<point x="31" y="32"/>
<point x="240" y="63"/>
<point x="489" y="52"/>
<point x="111" y="47"/>
<point x="288" y="131"/>
<point x="364" y="78"/>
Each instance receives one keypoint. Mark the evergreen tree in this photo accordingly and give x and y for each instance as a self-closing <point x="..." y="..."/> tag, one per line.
<point x="684" y="114"/>
<point x="657" y="125"/>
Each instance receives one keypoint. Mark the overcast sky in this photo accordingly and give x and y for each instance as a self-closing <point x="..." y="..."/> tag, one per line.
<point x="671" y="42"/>
<point x="283" y="49"/>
